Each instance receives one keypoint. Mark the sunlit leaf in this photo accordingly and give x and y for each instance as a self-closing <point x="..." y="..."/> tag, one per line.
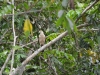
<point x="98" y="39"/>
<point x="26" y="5"/>
<point x="71" y="24"/>
<point x="60" y="13"/>
<point x="52" y="36"/>
<point x="16" y="47"/>
<point x="59" y="21"/>
<point x="27" y="27"/>
<point x="64" y="3"/>
<point x="81" y="5"/>
<point x="52" y="1"/>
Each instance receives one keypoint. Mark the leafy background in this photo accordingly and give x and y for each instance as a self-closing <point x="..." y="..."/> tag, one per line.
<point x="75" y="54"/>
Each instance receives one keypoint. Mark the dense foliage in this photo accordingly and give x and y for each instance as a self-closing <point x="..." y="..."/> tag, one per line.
<point x="75" y="54"/>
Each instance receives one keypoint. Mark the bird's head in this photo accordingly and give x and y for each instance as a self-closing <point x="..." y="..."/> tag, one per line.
<point x="41" y="31"/>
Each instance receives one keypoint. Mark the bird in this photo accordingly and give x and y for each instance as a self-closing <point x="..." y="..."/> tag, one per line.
<point x="41" y="38"/>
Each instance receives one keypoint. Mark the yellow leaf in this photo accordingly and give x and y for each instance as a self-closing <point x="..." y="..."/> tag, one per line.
<point x="91" y="53"/>
<point x="80" y="55"/>
<point x="93" y="56"/>
<point x="93" y="60"/>
<point x="52" y="1"/>
<point x="27" y="26"/>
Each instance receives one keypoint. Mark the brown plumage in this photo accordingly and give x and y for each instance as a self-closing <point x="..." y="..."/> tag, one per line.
<point x="41" y="38"/>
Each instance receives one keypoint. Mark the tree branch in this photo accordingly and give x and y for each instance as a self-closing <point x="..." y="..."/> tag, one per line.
<point x="14" y="43"/>
<point x="8" y="58"/>
<point x="89" y="29"/>
<point x="3" y="35"/>
<point x="33" y="42"/>
<point x="49" y="64"/>
<point x="86" y="9"/>
<point x="25" y="12"/>
<point x="83" y="25"/>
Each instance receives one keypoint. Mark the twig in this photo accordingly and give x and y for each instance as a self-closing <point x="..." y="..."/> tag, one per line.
<point x="33" y="42"/>
<point x="26" y="12"/>
<point x="49" y="64"/>
<point x="4" y="65"/>
<point x="83" y="25"/>
<point x="89" y="29"/>
<point x="3" y="35"/>
<point x="86" y="9"/>
<point x="14" y="43"/>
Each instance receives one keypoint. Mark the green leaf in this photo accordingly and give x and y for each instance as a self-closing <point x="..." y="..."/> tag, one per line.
<point x="66" y="25"/>
<point x="64" y="3"/>
<point x="56" y="61"/>
<point x="60" y="13"/>
<point x="70" y="59"/>
<point x="7" y="71"/>
<point x="78" y="11"/>
<point x="26" y="6"/>
<point x="59" y="21"/>
<point x="80" y="5"/>
<point x="98" y="39"/>
<point x="27" y="33"/>
<point x="6" y="10"/>
<point x="75" y="28"/>
<point x="52" y="36"/>
<point x="71" y="24"/>
<point x="16" y="47"/>
<point x="72" y="14"/>
<point x="19" y="56"/>
<point x="3" y="53"/>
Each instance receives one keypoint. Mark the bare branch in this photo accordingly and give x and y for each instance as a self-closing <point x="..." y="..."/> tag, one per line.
<point x="8" y="58"/>
<point x="50" y="65"/>
<point x="33" y="42"/>
<point x="14" y="43"/>
<point x="3" y="35"/>
<point x="83" y="25"/>
<point x="25" y="12"/>
<point x="86" y="9"/>
<point x="89" y="29"/>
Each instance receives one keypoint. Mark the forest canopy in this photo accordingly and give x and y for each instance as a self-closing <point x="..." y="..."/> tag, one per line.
<point x="49" y="37"/>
